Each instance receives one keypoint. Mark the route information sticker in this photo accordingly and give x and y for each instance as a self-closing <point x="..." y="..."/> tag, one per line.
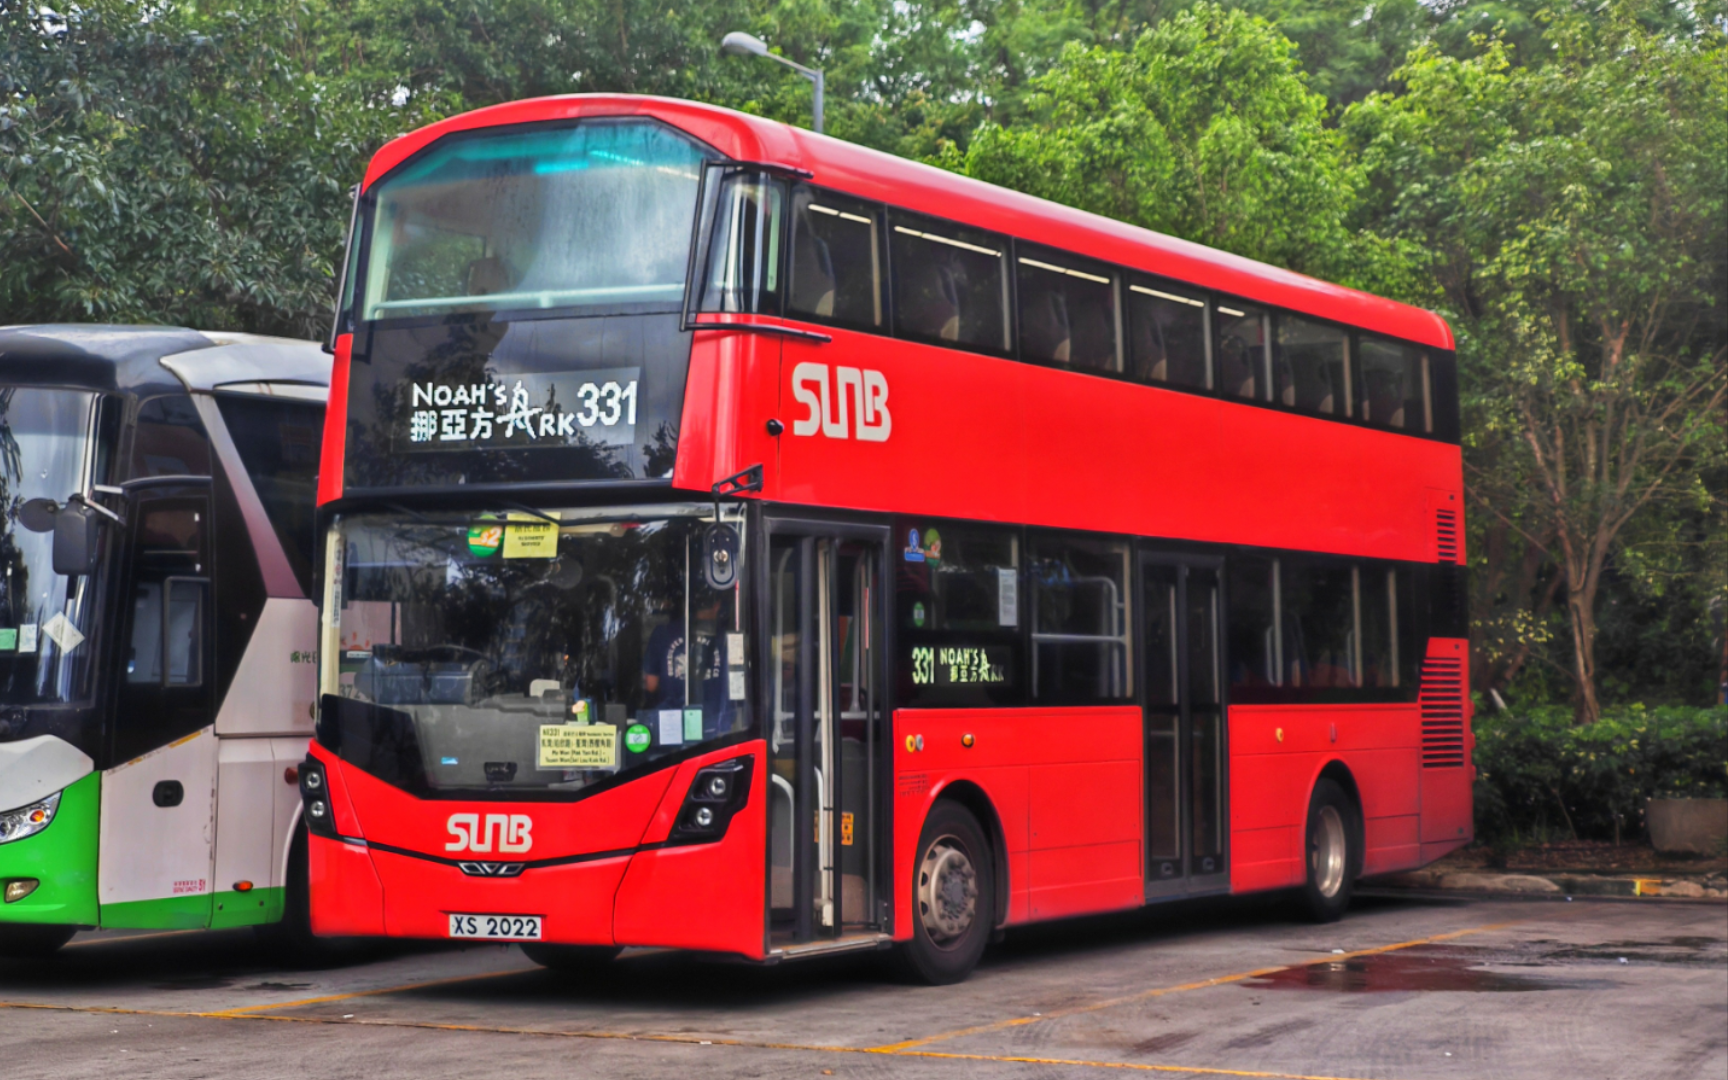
<point x="578" y="746"/>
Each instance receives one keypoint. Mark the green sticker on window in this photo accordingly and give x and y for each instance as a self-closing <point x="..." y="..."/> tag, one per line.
<point x="637" y="738"/>
<point x="918" y="613"/>
<point x="485" y="538"/>
<point x="9" y="639"/>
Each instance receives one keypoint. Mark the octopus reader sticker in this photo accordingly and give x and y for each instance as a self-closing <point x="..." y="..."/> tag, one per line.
<point x="637" y="738"/>
<point x="578" y="746"/>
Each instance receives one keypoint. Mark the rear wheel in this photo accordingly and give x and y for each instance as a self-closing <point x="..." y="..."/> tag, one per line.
<point x="1334" y="848"/>
<point x="591" y="960"/>
<point x="953" y="898"/>
<point x="28" y="941"/>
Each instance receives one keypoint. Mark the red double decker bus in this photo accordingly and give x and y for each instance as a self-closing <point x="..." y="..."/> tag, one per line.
<point x="734" y="539"/>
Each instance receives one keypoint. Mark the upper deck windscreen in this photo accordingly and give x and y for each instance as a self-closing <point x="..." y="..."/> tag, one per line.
<point x="517" y="305"/>
<point x="596" y="215"/>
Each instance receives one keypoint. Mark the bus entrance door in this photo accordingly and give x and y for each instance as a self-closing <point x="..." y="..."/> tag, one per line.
<point x="1185" y="796"/>
<point x="825" y="736"/>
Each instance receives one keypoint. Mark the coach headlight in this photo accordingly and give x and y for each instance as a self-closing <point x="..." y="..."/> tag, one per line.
<point x="315" y="794"/>
<point x="28" y="820"/>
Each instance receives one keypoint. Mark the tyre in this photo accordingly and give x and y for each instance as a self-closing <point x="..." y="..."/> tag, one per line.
<point x="590" y="960"/>
<point x="28" y="941"/>
<point x="953" y="898"/>
<point x="1334" y="847"/>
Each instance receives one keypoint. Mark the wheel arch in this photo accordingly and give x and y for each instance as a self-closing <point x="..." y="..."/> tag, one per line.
<point x="969" y="795"/>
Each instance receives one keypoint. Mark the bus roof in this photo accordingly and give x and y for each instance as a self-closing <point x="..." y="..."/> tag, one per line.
<point x="881" y="177"/>
<point x="146" y="359"/>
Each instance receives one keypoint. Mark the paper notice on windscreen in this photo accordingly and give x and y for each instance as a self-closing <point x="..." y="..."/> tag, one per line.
<point x="62" y="633"/>
<point x="671" y="727"/>
<point x="578" y="746"/>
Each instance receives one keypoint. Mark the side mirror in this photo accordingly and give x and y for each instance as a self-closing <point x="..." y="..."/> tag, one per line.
<point x="720" y="556"/>
<point x="76" y="538"/>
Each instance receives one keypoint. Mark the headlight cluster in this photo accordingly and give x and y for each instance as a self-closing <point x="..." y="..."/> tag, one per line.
<point x="718" y="792"/>
<point x="315" y="794"/>
<point x="28" y="820"/>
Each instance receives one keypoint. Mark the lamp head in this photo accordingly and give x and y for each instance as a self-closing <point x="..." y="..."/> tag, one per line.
<point x="738" y="43"/>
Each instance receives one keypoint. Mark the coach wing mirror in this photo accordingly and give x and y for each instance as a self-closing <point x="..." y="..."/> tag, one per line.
<point x="720" y="556"/>
<point x="38" y="515"/>
<point x="75" y="539"/>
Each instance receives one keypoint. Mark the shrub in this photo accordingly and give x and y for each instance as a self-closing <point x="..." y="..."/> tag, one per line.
<point x="1540" y="776"/>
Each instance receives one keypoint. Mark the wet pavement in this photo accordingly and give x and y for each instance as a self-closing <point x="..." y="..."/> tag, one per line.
<point x="1404" y="988"/>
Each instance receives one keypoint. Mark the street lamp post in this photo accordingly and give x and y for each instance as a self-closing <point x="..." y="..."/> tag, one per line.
<point x="738" y="43"/>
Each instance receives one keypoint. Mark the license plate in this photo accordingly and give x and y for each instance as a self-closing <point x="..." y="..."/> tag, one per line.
<point x="496" y="927"/>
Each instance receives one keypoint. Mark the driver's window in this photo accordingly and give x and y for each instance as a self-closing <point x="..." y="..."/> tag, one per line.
<point x="169" y="596"/>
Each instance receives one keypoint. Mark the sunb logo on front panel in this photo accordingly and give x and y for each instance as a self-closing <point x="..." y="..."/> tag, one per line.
<point x="510" y="832"/>
<point x="853" y="405"/>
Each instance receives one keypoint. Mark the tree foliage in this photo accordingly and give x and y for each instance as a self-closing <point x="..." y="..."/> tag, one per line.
<point x="1548" y="173"/>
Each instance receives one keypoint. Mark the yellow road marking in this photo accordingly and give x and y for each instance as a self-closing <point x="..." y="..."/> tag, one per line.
<point x="685" y="1040"/>
<point x="244" y="1009"/>
<point x="1144" y="995"/>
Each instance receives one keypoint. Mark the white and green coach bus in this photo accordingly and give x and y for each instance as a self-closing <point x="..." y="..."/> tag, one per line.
<point x="157" y="638"/>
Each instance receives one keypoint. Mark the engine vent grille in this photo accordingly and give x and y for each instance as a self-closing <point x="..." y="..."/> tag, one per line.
<point x="1442" y="701"/>
<point x="1446" y="535"/>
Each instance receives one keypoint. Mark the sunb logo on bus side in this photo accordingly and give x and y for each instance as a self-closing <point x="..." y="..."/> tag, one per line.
<point x="511" y="831"/>
<point x="855" y="405"/>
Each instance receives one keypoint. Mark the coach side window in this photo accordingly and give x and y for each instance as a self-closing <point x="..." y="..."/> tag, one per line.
<point x="745" y="248"/>
<point x="169" y="439"/>
<point x="1068" y="311"/>
<point x="950" y="284"/>
<point x="1310" y="367"/>
<point x="1081" y="638"/>
<point x="958" y="614"/>
<point x="1167" y="335"/>
<point x="1241" y="345"/>
<point x="1395" y="385"/>
<point x="836" y="260"/>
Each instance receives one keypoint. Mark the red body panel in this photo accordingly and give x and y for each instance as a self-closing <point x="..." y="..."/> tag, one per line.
<point x="700" y="896"/>
<point x="997" y="440"/>
<point x="1069" y="808"/>
<point x="335" y="424"/>
<point x="703" y="896"/>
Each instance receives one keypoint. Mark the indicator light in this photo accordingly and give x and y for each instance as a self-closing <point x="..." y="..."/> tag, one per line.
<point x="242" y="886"/>
<point x="18" y="888"/>
<point x="966" y="740"/>
<point x="290" y="775"/>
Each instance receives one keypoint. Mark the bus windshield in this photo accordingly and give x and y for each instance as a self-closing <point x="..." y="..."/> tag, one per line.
<point x="524" y="652"/>
<point x="594" y="215"/>
<point x="45" y="453"/>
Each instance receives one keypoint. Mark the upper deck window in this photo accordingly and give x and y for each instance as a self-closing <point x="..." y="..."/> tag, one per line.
<point x="836" y="260"/>
<point x="950" y="283"/>
<point x="1310" y="370"/>
<point x="1241" y="353"/>
<point x="1068" y="311"/>
<point x="1395" y="385"/>
<point x="1168" y="333"/>
<point x="595" y="215"/>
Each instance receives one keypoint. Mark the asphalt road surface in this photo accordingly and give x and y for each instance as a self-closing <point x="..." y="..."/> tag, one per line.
<point x="1405" y="988"/>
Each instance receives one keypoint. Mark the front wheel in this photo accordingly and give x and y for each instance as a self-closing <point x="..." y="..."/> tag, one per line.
<point x="1334" y="847"/>
<point x="953" y="898"/>
<point x="29" y="941"/>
